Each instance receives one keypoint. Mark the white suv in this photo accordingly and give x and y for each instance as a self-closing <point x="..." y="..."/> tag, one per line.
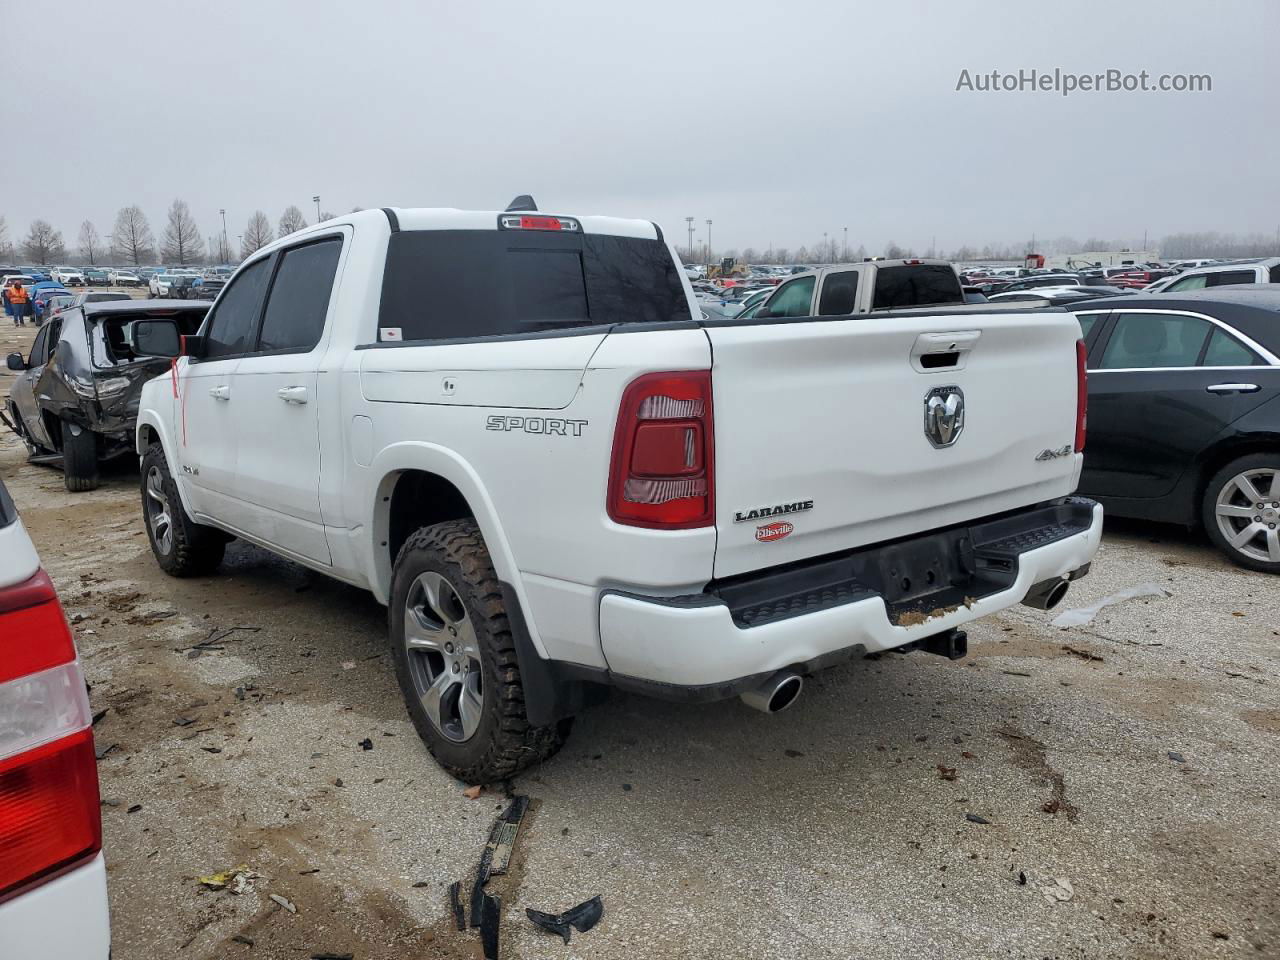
<point x="53" y="884"/>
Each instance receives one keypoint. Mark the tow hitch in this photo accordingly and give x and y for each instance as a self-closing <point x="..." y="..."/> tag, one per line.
<point x="952" y="644"/>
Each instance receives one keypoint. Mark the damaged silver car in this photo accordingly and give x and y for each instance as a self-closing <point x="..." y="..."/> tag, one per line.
<point x="76" y="399"/>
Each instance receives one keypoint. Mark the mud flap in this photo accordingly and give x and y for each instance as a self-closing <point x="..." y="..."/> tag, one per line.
<point x="548" y="696"/>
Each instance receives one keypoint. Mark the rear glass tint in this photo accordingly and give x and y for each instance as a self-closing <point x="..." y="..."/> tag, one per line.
<point x="916" y="285"/>
<point x="461" y="284"/>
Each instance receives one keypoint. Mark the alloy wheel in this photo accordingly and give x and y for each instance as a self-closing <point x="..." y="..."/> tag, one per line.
<point x="159" y="517"/>
<point x="444" y="657"/>
<point x="1247" y="510"/>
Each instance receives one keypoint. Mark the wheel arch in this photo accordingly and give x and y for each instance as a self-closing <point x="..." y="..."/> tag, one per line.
<point x="149" y="429"/>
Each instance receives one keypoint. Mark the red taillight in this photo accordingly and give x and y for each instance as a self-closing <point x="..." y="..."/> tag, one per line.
<point x="663" y="469"/>
<point x="539" y="223"/>
<point x="1082" y="394"/>
<point x="49" y="816"/>
<point x="33" y="632"/>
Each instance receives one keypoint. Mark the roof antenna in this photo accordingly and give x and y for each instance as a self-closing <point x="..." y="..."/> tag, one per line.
<point x="521" y="203"/>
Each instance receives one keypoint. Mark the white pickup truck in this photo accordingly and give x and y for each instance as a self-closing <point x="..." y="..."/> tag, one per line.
<point x="513" y="430"/>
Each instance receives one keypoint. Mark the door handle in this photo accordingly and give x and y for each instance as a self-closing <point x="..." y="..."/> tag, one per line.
<point x="1233" y="388"/>
<point x="292" y="394"/>
<point x="220" y="392"/>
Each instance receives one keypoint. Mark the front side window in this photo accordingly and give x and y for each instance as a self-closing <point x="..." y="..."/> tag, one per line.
<point x="299" y="298"/>
<point x="793" y="298"/>
<point x="1196" y="282"/>
<point x="1148" y="340"/>
<point x="229" y="331"/>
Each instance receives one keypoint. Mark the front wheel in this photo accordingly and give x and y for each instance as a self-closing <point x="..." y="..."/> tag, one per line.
<point x="182" y="547"/>
<point x="1241" y="511"/>
<point x="455" y="657"/>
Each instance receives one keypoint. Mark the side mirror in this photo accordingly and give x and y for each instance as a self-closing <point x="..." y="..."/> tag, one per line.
<point x="15" y="362"/>
<point x="154" y="338"/>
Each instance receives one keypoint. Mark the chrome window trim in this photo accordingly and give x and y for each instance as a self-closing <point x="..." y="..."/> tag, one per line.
<point x="1271" y="359"/>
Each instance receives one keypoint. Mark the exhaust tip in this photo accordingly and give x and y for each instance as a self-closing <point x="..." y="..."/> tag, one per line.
<point x="776" y="693"/>
<point x="1056" y="595"/>
<point x="1046" y="595"/>
<point x="786" y="694"/>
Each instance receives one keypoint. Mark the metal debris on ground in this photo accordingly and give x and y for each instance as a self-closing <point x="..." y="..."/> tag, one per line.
<point x="1176" y="757"/>
<point x="103" y="751"/>
<point x="1079" y="616"/>
<point x="581" y="918"/>
<point x="975" y="818"/>
<point x="365" y="744"/>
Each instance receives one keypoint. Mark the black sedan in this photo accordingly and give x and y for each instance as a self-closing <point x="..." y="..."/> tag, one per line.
<point x="1184" y="413"/>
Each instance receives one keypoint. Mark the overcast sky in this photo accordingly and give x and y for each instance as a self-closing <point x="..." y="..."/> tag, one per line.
<point x="778" y="121"/>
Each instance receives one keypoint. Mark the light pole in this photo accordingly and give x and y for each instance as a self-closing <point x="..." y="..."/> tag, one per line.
<point x="225" y="252"/>
<point x="316" y="198"/>
<point x="708" y="243"/>
<point x="845" y="256"/>
<point x="689" y="221"/>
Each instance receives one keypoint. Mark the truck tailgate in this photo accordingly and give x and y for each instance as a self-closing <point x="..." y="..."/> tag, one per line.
<point x="820" y="428"/>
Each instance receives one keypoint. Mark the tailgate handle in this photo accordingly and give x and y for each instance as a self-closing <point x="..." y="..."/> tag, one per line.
<point x="948" y="350"/>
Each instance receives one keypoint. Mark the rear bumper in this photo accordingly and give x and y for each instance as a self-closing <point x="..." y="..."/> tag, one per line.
<point x="64" y="919"/>
<point x="711" y="645"/>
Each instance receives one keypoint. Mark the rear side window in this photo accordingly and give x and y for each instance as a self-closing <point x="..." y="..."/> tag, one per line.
<point x="461" y="284"/>
<point x="229" y="331"/>
<point x="913" y="285"/>
<point x="1195" y="282"/>
<point x="1231" y="276"/>
<point x="1149" y="340"/>
<point x="1275" y="273"/>
<point x="839" y="294"/>
<point x="299" y="298"/>
<point x="1226" y="351"/>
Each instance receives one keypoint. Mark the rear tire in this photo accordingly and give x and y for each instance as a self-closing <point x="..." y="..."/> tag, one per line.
<point x="456" y="661"/>
<point x="182" y="547"/>
<point x="1241" y="511"/>
<point x="79" y="458"/>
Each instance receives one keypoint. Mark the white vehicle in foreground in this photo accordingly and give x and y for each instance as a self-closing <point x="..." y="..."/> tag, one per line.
<point x="512" y="428"/>
<point x="53" y="885"/>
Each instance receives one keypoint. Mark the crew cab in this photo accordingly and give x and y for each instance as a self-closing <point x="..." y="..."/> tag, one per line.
<point x="514" y="430"/>
<point x="1266" y="270"/>
<point x="864" y="288"/>
<point x="53" y="882"/>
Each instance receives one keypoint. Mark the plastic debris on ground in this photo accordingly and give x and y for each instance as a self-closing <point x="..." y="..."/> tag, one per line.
<point x="581" y="918"/>
<point x="1060" y="892"/>
<point x="284" y="902"/>
<point x="1079" y="616"/>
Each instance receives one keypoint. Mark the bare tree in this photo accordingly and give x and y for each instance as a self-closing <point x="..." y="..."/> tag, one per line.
<point x="132" y="240"/>
<point x="182" y="243"/>
<point x="90" y="243"/>
<point x="257" y="234"/>
<point x="6" y="245"/>
<point x="291" y="221"/>
<point x="326" y="216"/>
<point x="43" y="244"/>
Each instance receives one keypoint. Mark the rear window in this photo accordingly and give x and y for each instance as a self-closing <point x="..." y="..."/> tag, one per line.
<point x="460" y="284"/>
<point x="916" y="286"/>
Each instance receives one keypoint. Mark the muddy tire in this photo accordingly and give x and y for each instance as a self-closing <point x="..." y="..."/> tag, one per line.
<point x="79" y="458"/>
<point x="455" y="657"/>
<point x="1241" y="511"/>
<point x="182" y="547"/>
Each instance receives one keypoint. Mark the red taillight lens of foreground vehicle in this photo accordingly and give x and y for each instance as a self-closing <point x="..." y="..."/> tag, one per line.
<point x="1082" y="394"/>
<point x="49" y="814"/>
<point x="49" y="817"/>
<point x="663" y="469"/>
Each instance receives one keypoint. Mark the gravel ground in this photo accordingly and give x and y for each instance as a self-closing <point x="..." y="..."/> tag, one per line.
<point x="1131" y="761"/>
